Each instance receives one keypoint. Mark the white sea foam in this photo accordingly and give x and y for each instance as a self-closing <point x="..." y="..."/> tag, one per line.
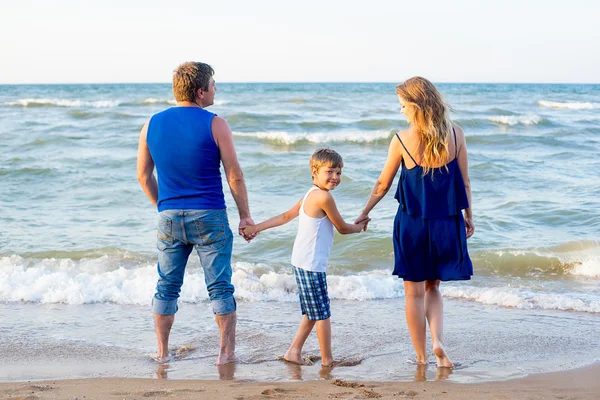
<point x="104" y="279"/>
<point x="154" y="100"/>
<point x="524" y="298"/>
<point x="107" y="279"/>
<point x="62" y="103"/>
<point x="328" y="137"/>
<point x="571" y="105"/>
<point x="516" y="119"/>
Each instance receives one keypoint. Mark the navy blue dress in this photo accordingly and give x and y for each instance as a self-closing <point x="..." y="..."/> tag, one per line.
<point x="430" y="240"/>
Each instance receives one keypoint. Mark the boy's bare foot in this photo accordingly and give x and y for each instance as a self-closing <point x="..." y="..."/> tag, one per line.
<point x="441" y="356"/>
<point x="343" y="363"/>
<point x="295" y="357"/>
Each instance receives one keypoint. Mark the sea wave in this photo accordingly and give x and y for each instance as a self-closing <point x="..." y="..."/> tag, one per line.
<point x="571" y="105"/>
<point x="516" y="119"/>
<point x="525" y="298"/>
<point x="123" y="279"/>
<point x="77" y="103"/>
<point x="290" y="138"/>
<point x="31" y="102"/>
<point x="153" y="100"/>
<point x="579" y="258"/>
<point x="171" y="101"/>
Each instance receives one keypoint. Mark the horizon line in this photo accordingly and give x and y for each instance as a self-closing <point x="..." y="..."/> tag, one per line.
<point x="302" y="82"/>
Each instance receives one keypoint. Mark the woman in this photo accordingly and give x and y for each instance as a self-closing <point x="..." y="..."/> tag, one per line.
<point x="430" y="232"/>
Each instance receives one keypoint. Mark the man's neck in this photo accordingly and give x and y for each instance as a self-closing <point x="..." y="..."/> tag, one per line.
<point x="188" y="104"/>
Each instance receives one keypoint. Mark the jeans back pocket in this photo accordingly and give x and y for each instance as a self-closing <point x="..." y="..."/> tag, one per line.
<point x="164" y="233"/>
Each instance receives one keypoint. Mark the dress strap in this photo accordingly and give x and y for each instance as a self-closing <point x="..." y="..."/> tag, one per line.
<point x="455" y="144"/>
<point x="405" y="149"/>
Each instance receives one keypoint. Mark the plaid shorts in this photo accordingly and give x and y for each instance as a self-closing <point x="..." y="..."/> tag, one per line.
<point x="312" y="289"/>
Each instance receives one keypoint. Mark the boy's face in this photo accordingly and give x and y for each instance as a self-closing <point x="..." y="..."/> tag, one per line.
<point x="327" y="177"/>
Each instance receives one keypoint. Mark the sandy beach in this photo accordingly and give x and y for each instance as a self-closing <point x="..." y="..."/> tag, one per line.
<point x="580" y="383"/>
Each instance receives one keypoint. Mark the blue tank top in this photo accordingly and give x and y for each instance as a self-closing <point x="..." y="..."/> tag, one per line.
<point x="442" y="194"/>
<point x="187" y="159"/>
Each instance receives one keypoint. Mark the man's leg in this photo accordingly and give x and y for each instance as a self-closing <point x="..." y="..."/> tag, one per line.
<point x="214" y="244"/>
<point x="162" y="325"/>
<point x="227" y="324"/>
<point x="172" y="259"/>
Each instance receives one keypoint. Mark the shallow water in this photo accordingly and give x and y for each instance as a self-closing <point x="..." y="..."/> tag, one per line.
<point x="77" y="248"/>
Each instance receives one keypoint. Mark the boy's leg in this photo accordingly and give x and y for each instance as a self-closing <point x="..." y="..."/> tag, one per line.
<point x="314" y="300"/>
<point x="324" y="336"/>
<point x="414" y="293"/>
<point x="434" y="310"/>
<point x="294" y="353"/>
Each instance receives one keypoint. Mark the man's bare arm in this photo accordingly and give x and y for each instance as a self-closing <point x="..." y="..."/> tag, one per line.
<point x="145" y="168"/>
<point x="233" y="171"/>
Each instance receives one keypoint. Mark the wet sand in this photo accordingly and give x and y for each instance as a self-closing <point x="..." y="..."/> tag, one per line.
<point x="583" y="383"/>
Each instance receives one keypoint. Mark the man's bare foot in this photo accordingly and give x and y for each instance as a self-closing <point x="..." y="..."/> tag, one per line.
<point x="232" y="359"/>
<point x="441" y="357"/>
<point x="295" y="357"/>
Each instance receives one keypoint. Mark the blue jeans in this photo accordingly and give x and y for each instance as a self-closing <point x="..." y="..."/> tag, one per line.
<point x="208" y="232"/>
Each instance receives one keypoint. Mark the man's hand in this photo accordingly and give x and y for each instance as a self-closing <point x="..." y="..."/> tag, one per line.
<point x="244" y="222"/>
<point x="249" y="232"/>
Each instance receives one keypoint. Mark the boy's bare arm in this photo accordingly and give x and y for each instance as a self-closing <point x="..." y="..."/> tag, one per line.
<point x="279" y="220"/>
<point x="327" y="204"/>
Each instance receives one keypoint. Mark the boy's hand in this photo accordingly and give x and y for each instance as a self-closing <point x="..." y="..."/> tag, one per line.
<point x="363" y="218"/>
<point x="362" y="226"/>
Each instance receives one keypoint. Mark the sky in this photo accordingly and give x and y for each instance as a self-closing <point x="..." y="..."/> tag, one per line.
<point x="66" y="41"/>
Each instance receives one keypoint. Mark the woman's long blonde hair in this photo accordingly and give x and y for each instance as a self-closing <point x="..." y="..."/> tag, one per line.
<point x="431" y="120"/>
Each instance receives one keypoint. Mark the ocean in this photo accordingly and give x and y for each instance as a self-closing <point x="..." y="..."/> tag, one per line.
<point x="78" y="252"/>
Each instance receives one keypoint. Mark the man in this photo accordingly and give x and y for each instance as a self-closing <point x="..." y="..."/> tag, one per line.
<point x="187" y="144"/>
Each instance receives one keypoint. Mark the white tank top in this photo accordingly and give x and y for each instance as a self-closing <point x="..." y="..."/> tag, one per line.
<point x="313" y="242"/>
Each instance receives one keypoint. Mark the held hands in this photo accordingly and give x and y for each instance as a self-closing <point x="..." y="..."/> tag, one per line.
<point x="361" y="226"/>
<point x="363" y="219"/>
<point x="245" y="223"/>
<point x="249" y="232"/>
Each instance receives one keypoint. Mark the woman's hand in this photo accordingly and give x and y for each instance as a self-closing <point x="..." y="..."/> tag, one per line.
<point x="470" y="226"/>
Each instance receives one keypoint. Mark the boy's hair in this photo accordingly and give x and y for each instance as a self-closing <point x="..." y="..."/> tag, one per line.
<point x="325" y="157"/>
<point x="188" y="78"/>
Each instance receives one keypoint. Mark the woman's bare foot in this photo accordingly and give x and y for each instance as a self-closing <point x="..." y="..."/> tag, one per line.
<point x="441" y="356"/>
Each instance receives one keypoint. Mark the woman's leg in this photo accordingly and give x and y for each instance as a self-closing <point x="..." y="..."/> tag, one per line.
<point x="414" y="293"/>
<point x="434" y="310"/>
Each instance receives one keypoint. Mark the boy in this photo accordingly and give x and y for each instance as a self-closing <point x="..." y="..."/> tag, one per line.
<point x="318" y="215"/>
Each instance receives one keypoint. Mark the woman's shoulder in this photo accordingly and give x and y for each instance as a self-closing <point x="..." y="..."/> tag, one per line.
<point x="459" y="131"/>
